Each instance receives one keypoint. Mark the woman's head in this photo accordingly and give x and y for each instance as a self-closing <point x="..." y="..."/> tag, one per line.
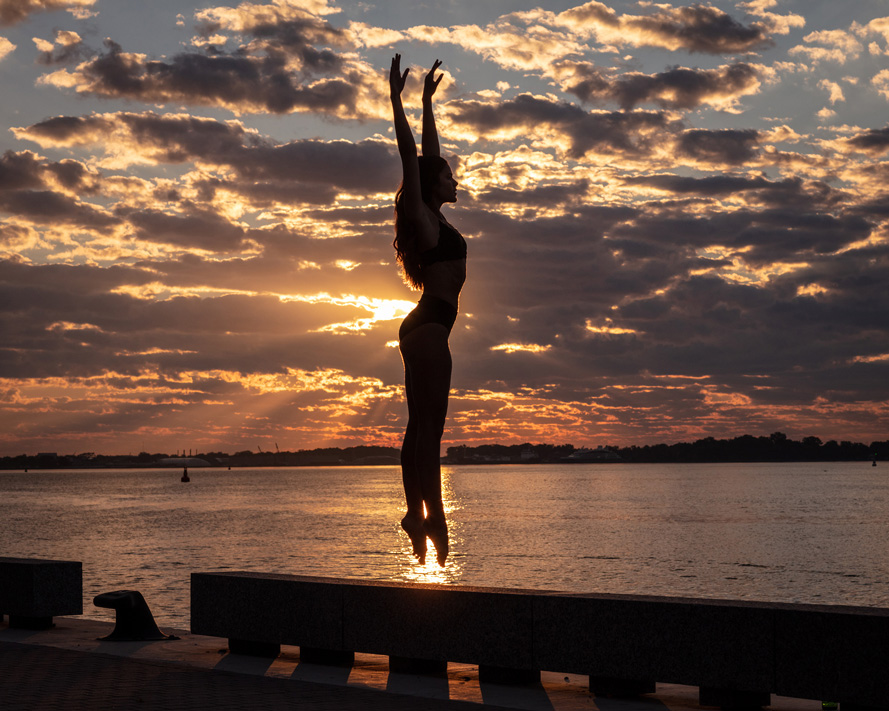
<point x="436" y="181"/>
<point x="437" y="186"/>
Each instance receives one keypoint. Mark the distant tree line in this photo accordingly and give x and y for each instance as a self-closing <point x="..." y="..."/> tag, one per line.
<point x="363" y="455"/>
<point x="508" y="453"/>
<point x="777" y="447"/>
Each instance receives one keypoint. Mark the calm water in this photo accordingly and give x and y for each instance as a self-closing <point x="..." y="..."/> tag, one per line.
<point x="774" y="532"/>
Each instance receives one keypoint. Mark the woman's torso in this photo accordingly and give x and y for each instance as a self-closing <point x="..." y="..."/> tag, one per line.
<point x="444" y="270"/>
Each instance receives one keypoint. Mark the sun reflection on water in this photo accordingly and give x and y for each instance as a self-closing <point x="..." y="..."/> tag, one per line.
<point x="431" y="571"/>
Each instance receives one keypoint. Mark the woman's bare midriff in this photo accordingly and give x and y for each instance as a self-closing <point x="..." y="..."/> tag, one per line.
<point x="445" y="280"/>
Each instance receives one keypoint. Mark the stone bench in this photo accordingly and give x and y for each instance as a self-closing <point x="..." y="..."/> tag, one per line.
<point x="737" y="653"/>
<point x="33" y="591"/>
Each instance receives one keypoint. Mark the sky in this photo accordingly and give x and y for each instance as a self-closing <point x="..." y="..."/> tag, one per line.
<point x="677" y="219"/>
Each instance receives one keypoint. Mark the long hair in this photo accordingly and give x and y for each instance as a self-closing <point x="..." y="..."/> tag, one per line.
<point x="405" y="243"/>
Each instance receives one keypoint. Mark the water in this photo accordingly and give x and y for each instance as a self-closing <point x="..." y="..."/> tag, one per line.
<point x="774" y="532"/>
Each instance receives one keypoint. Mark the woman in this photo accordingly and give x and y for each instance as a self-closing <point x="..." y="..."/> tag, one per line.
<point x="432" y="255"/>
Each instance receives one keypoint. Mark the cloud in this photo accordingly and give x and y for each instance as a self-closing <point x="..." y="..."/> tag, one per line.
<point x="547" y="43"/>
<point x="874" y="140"/>
<point x="242" y="84"/>
<point x="239" y="171"/>
<point x="287" y="59"/>
<point x="606" y="133"/>
<point x="45" y="193"/>
<point x="14" y="11"/>
<point x="675" y="88"/>
<point x="778" y="24"/>
<point x="880" y="82"/>
<point x="713" y="185"/>
<point x="838" y="46"/>
<point x="724" y="146"/>
<point x="67" y="47"/>
<point x="834" y="90"/>
<point x="513" y="42"/>
<point x="694" y="28"/>
<point x="878" y="26"/>
<point x="195" y="228"/>
<point x="6" y="48"/>
<point x="181" y="138"/>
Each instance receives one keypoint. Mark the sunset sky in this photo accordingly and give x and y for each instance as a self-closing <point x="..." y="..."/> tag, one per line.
<point x="677" y="218"/>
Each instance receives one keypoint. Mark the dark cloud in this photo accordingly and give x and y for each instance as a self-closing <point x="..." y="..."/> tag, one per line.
<point x="549" y="196"/>
<point x="238" y="82"/>
<point x="46" y="207"/>
<point x="15" y="11"/>
<point x="727" y="146"/>
<point x="695" y="28"/>
<point x="616" y="132"/>
<point x="703" y="28"/>
<point x="25" y="170"/>
<point x="874" y="141"/>
<point x="68" y="130"/>
<point x="793" y="232"/>
<point x="805" y="194"/>
<point x="281" y="66"/>
<point x="194" y="228"/>
<point x="675" y="88"/>
<point x="295" y="38"/>
<point x="20" y="171"/>
<point x="363" y="166"/>
<point x="712" y="185"/>
<point x="262" y="164"/>
<point x="784" y="234"/>
<point x="25" y="191"/>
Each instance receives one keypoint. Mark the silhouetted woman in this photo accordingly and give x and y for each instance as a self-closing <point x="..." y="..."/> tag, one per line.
<point x="432" y="255"/>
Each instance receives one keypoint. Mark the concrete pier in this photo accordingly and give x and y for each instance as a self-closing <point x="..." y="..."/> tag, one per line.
<point x="69" y="667"/>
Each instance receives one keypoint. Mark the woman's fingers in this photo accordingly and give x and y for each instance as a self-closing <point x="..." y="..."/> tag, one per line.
<point x="431" y="83"/>
<point x="396" y="77"/>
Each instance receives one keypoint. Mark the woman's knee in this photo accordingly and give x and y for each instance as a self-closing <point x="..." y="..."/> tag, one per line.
<point x="431" y="430"/>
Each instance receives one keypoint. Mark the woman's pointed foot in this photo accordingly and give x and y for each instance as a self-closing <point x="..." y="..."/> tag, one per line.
<point x="437" y="530"/>
<point x="413" y="527"/>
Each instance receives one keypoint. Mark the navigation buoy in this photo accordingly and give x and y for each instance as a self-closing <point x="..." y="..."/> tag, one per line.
<point x="185" y="474"/>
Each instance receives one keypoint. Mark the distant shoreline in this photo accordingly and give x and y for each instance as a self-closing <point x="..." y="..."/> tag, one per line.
<point x="316" y="465"/>
<point x="775" y="448"/>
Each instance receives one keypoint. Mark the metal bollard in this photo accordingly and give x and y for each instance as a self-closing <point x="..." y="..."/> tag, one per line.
<point x="133" y="620"/>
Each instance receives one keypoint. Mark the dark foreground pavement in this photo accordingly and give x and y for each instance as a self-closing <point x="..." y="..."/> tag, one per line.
<point x="37" y="678"/>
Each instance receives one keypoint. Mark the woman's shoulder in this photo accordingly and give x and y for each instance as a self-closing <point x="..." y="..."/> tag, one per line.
<point x="425" y="225"/>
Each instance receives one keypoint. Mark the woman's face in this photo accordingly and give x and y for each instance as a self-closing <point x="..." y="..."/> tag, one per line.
<point x="446" y="190"/>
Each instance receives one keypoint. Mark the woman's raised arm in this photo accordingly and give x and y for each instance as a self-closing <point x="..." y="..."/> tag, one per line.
<point x="407" y="149"/>
<point x="430" y="134"/>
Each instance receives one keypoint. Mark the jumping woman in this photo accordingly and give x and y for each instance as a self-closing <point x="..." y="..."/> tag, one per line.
<point x="432" y="255"/>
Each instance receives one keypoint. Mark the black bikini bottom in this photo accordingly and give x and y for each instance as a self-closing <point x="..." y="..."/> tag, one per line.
<point x="430" y="309"/>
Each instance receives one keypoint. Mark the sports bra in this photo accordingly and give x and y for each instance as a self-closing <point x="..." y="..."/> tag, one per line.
<point x="451" y="245"/>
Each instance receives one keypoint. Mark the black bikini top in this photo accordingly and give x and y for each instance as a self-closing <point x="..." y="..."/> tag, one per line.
<point x="451" y="245"/>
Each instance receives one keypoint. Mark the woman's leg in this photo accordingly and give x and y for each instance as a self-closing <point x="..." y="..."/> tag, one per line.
<point x="412" y="523"/>
<point x="428" y="369"/>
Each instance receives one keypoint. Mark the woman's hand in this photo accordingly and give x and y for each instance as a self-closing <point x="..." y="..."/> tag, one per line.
<point x="396" y="78"/>
<point x="431" y="83"/>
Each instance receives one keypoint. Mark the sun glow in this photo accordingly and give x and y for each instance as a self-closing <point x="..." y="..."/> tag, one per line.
<point x="521" y="348"/>
<point x="608" y="329"/>
<point x="380" y="310"/>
